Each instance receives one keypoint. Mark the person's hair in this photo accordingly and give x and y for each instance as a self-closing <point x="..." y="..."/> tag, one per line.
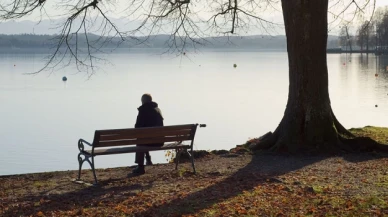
<point x="147" y="97"/>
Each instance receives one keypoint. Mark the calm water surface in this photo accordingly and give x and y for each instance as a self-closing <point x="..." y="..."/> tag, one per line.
<point x="42" y="117"/>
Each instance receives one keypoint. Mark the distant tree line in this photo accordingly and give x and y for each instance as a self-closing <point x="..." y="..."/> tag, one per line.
<point x="370" y="34"/>
<point x="26" y="41"/>
<point x="45" y="42"/>
<point x="32" y="41"/>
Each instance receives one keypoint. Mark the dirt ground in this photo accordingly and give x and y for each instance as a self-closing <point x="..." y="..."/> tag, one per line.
<point x="225" y="185"/>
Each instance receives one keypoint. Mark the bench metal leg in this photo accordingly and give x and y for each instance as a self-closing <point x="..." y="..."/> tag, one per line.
<point x="91" y="163"/>
<point x="94" y="171"/>
<point x="178" y="155"/>
<point x="192" y="159"/>
<point x="80" y="162"/>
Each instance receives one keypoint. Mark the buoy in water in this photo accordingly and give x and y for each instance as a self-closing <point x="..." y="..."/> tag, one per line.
<point x="64" y="78"/>
<point x="235" y="65"/>
<point x="376" y="106"/>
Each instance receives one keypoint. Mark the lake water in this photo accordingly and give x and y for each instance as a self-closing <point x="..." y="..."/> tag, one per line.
<point x="43" y="117"/>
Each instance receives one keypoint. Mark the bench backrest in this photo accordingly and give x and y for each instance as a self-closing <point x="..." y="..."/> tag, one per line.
<point x="149" y="135"/>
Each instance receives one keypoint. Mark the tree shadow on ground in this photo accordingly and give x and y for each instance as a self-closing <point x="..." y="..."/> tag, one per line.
<point x="262" y="168"/>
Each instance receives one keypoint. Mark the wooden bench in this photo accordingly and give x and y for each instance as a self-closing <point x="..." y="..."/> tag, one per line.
<point x="121" y="141"/>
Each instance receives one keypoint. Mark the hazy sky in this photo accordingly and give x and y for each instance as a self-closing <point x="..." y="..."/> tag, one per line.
<point x="116" y="10"/>
<point x="382" y="2"/>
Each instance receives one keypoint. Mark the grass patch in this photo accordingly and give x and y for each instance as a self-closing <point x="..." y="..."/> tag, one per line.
<point x="43" y="184"/>
<point x="382" y="180"/>
<point x="318" y="189"/>
<point x="379" y="134"/>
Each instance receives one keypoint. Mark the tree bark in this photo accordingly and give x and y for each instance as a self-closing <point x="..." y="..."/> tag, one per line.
<point x="308" y="122"/>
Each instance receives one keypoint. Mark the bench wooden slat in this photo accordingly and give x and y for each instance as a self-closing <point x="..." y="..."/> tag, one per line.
<point x="134" y="149"/>
<point x="142" y="141"/>
<point x="149" y="130"/>
<point x="144" y="134"/>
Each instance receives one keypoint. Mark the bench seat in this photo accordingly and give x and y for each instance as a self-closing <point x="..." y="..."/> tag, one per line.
<point x="134" y="149"/>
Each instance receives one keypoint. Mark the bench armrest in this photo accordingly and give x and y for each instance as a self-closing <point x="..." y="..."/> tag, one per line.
<point x="81" y="143"/>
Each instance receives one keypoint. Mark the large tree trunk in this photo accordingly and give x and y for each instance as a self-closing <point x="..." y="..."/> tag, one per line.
<point x="308" y="122"/>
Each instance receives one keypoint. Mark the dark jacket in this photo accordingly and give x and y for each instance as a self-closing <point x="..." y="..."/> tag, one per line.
<point x="149" y="116"/>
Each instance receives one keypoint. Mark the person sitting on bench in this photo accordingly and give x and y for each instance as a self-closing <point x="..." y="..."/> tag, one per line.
<point x="149" y="116"/>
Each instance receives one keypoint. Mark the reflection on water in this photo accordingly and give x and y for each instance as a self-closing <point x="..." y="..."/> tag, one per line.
<point x="355" y="90"/>
<point x="43" y="117"/>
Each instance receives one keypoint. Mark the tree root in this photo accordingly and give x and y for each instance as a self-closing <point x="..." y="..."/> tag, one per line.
<point x="264" y="142"/>
<point x="273" y="142"/>
<point x="364" y="144"/>
<point x="341" y="129"/>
